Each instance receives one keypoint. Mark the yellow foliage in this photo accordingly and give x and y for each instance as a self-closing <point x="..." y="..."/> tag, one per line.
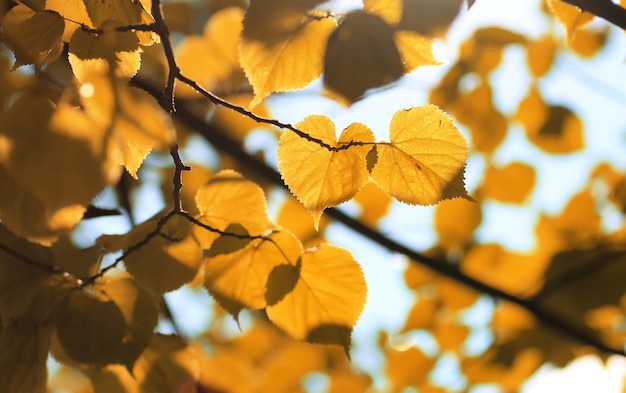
<point x="424" y="162"/>
<point x="408" y="368"/>
<point x="510" y="184"/>
<point x="324" y="176"/>
<point x="540" y="55"/>
<point x="332" y="289"/>
<point x="455" y="222"/>
<point x="273" y="61"/>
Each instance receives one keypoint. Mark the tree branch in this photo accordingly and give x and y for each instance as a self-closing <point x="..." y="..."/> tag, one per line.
<point x="605" y="9"/>
<point x="221" y="141"/>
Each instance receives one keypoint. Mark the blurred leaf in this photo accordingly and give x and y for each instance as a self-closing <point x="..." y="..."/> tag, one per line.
<point x="361" y="54"/>
<point x="374" y="202"/>
<point x="541" y="55"/>
<point x="428" y="17"/>
<point x="90" y="328"/>
<point x="211" y="59"/>
<point x="407" y="368"/>
<point x="74" y="10"/>
<point x="588" y="43"/>
<point x="127" y="12"/>
<point x="415" y="50"/>
<point x="23" y="357"/>
<point x="510" y="184"/>
<point x="455" y="222"/>
<point x="554" y="129"/>
<point x="424" y="162"/>
<point x="333" y="290"/>
<point x="318" y="176"/>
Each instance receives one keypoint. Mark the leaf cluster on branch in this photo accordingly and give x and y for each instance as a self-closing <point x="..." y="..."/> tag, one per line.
<point x="79" y="116"/>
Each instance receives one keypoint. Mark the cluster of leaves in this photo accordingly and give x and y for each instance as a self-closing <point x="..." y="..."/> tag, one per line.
<point x="94" y="129"/>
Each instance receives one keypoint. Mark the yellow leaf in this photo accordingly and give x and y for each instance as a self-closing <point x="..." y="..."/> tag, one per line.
<point x="138" y="123"/>
<point x="540" y="55"/>
<point x="242" y="278"/>
<point x="127" y="12"/>
<point x="415" y="50"/>
<point x="35" y="38"/>
<point x="552" y="128"/>
<point x="587" y="43"/>
<point x="310" y="359"/>
<point x="361" y="54"/>
<point x="165" y="262"/>
<point x="421" y="315"/>
<point x="429" y="17"/>
<point x="139" y="309"/>
<point x="234" y="123"/>
<point x="166" y="365"/>
<point x="23" y="357"/>
<point x="98" y="53"/>
<point x="455" y="222"/>
<point x="327" y="300"/>
<point x="424" y="162"/>
<point x="212" y="58"/>
<point x="485" y="370"/>
<point x="389" y="10"/>
<point x="571" y="17"/>
<point x="454" y="296"/>
<point x="31" y="162"/>
<point x="450" y="336"/>
<point x="112" y="378"/>
<point x="408" y="368"/>
<point x="510" y="184"/>
<point x="278" y="66"/>
<point x="514" y="273"/>
<point x="73" y="10"/>
<point x="90" y="328"/>
<point x="349" y="382"/>
<point x="230" y="198"/>
<point x="319" y="176"/>
<point x="294" y="217"/>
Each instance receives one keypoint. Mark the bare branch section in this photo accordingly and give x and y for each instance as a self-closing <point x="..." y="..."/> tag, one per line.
<point x="605" y="9"/>
<point x="220" y="140"/>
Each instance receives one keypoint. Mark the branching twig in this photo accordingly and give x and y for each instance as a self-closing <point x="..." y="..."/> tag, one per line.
<point x="177" y="179"/>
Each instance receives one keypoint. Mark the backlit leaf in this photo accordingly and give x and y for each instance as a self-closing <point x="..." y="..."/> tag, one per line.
<point x="588" y="42"/>
<point x="212" y="58"/>
<point x="424" y="162"/>
<point x="510" y="184"/>
<point x="127" y="12"/>
<point x="166" y="365"/>
<point x="170" y="258"/>
<point x="273" y="45"/>
<point x="35" y="38"/>
<point x="98" y="53"/>
<point x="242" y="277"/>
<point x="374" y="202"/>
<point x="361" y="54"/>
<point x="541" y="54"/>
<point x="421" y="315"/>
<point x="389" y="10"/>
<point x="331" y="289"/>
<point x="140" y="312"/>
<point x="90" y="328"/>
<point x="70" y="10"/>
<point x="25" y="346"/>
<point x="294" y="217"/>
<point x="230" y="198"/>
<point x="571" y="17"/>
<point x="415" y="50"/>
<point x="138" y="123"/>
<point x="318" y="176"/>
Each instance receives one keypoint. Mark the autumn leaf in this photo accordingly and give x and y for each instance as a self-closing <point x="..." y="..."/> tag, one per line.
<point x="25" y="346"/>
<point x="455" y="222"/>
<point x="34" y="37"/>
<point x="74" y="10"/>
<point x="512" y="183"/>
<point x="90" y="328"/>
<point x="361" y="54"/>
<point x="215" y="204"/>
<point x="409" y="367"/>
<point x="276" y="36"/>
<point x="124" y="11"/>
<point x="428" y="17"/>
<point x="324" y="176"/>
<point x="332" y="289"/>
<point x="424" y="162"/>
<point x="241" y="278"/>
<point x="540" y="55"/>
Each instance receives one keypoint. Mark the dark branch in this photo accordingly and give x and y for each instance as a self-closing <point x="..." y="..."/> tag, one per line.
<point x="605" y="9"/>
